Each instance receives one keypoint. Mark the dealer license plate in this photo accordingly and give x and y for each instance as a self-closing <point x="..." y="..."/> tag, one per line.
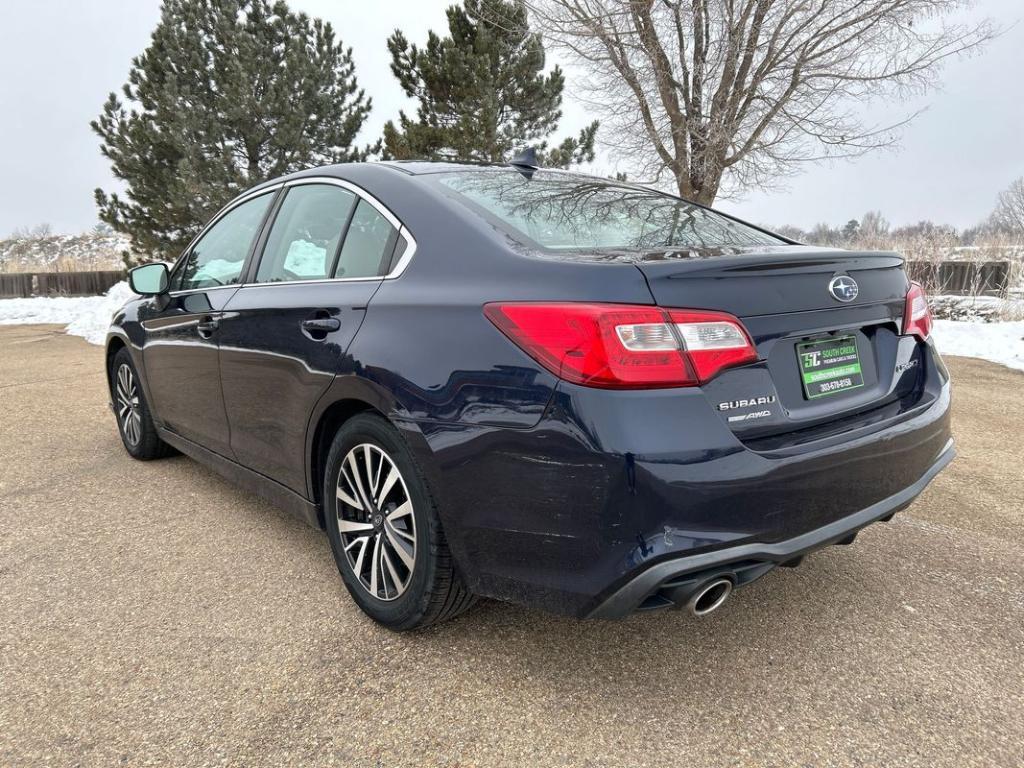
<point x="829" y="366"/>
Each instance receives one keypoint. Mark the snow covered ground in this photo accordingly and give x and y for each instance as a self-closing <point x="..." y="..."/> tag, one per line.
<point x="1001" y="342"/>
<point x="85" y="316"/>
<point x="88" y="317"/>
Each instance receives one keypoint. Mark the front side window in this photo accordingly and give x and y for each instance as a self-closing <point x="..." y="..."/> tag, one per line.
<point x="218" y="257"/>
<point x="562" y="211"/>
<point x="307" y="231"/>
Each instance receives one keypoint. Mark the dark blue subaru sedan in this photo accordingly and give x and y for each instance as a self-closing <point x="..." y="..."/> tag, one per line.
<point x="533" y="385"/>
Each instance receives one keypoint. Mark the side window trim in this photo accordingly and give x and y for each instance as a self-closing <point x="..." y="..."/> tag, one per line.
<point x="341" y="240"/>
<point x="256" y="257"/>
<point x="256" y="253"/>
<point x="261" y="234"/>
<point x="250" y="274"/>
<point x="175" y="274"/>
<point x="396" y="269"/>
<point x="384" y="262"/>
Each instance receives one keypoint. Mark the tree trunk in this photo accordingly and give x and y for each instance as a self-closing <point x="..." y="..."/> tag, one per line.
<point x="704" y="191"/>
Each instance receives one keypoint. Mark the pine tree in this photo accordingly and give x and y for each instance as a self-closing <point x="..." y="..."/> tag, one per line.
<point x="229" y="93"/>
<point x="482" y="92"/>
<point x="851" y="229"/>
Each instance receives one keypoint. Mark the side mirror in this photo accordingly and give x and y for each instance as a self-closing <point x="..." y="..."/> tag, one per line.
<point x="149" y="279"/>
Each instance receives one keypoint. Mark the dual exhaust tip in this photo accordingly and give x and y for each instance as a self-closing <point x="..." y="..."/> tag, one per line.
<point x="709" y="596"/>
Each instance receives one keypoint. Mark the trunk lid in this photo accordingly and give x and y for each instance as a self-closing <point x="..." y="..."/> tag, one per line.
<point x="769" y="280"/>
<point x="783" y="296"/>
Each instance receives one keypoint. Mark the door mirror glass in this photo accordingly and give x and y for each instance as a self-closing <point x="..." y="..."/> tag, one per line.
<point x="149" y="279"/>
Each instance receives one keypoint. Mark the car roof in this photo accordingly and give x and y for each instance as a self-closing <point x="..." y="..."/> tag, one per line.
<point x="345" y="171"/>
<point x="421" y="167"/>
<point x="408" y="167"/>
<point x="429" y="167"/>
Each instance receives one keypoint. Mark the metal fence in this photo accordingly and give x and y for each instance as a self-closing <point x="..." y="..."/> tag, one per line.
<point x="24" y="284"/>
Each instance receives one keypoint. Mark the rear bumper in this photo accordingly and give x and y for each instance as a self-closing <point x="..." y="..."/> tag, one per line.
<point x="668" y="583"/>
<point x="614" y="494"/>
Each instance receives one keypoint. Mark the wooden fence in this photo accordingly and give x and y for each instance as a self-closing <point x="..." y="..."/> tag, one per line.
<point x="962" y="278"/>
<point x="23" y="284"/>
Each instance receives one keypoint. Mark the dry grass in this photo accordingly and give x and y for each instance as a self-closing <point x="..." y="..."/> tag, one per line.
<point x="63" y="253"/>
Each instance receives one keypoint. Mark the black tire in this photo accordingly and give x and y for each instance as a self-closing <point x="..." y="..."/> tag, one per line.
<point x="432" y="591"/>
<point x="134" y="421"/>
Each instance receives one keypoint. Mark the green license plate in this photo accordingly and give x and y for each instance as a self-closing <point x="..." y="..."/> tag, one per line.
<point x="829" y="366"/>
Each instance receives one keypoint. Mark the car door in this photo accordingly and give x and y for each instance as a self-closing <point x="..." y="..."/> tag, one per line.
<point x="285" y="333"/>
<point x="181" y="328"/>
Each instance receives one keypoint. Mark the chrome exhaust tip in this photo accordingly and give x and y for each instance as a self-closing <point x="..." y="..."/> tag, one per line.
<point x="710" y="596"/>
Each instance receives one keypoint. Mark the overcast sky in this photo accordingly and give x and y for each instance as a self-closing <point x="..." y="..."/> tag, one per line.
<point x="60" y="58"/>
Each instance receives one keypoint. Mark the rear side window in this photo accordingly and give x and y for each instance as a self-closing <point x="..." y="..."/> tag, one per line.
<point x="368" y="244"/>
<point x="217" y="258"/>
<point x="563" y="211"/>
<point x="304" y="240"/>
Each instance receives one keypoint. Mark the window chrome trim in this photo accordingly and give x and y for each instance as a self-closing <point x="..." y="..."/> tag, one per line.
<point x="243" y="198"/>
<point x="382" y="209"/>
<point x="396" y="272"/>
<point x="187" y="291"/>
<point x="228" y="207"/>
<point x="362" y="194"/>
<point x="314" y="281"/>
<point x="403" y="262"/>
<point x="359" y="191"/>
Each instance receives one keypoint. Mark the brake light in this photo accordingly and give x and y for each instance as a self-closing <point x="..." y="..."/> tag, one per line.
<point x="621" y="346"/>
<point x="917" y="317"/>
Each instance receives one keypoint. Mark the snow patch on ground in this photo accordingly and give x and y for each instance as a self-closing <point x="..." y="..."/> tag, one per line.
<point x="1000" y="342"/>
<point x="89" y="317"/>
<point x="85" y="316"/>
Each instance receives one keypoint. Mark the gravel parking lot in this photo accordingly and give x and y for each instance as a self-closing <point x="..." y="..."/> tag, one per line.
<point x="152" y="614"/>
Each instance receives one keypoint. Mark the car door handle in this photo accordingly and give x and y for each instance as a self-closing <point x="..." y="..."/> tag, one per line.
<point x="207" y="326"/>
<point x="321" y="324"/>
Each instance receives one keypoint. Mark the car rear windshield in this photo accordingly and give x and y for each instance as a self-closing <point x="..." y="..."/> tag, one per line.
<point x="564" y="211"/>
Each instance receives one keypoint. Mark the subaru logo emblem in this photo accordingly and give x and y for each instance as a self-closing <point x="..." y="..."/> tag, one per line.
<point x="843" y="288"/>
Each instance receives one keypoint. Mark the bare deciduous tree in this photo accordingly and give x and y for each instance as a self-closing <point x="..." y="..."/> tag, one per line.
<point x="873" y="232"/>
<point x="37" y="232"/>
<point x="744" y="91"/>
<point x="1008" y="216"/>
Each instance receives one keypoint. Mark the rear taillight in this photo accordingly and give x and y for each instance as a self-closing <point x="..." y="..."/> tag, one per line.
<point x="917" y="318"/>
<point x="620" y="346"/>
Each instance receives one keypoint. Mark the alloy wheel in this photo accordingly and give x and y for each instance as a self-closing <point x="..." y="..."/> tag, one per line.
<point x="376" y="522"/>
<point x="128" y="405"/>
